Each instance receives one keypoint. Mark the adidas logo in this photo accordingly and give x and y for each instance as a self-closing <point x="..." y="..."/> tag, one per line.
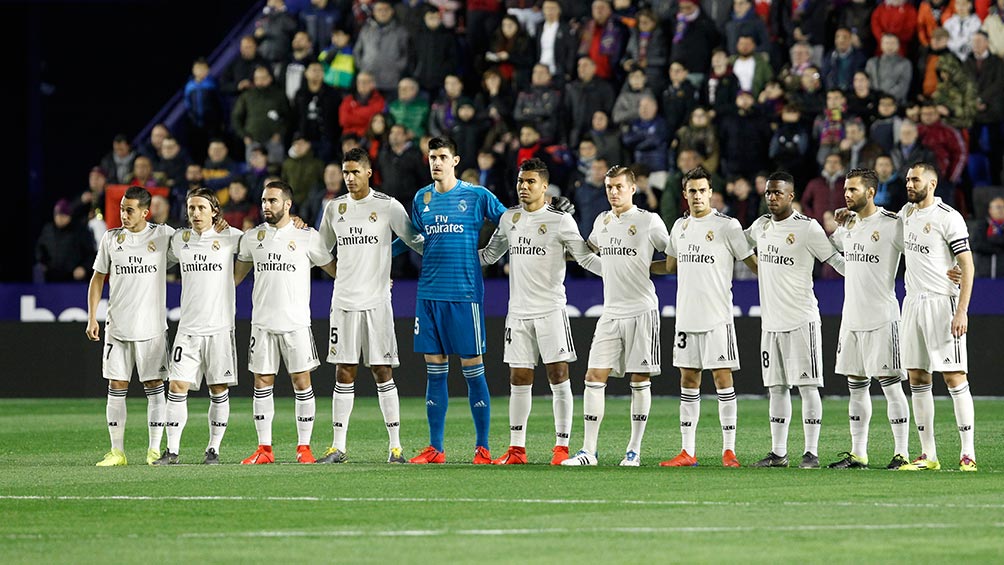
<point x="430" y="402"/>
<point x="804" y="374"/>
<point x="393" y="424"/>
<point x="721" y="358"/>
<point x="259" y="417"/>
<point x="561" y="435"/>
<point x="643" y="418"/>
<point x="426" y="208"/>
<point x="686" y="424"/>
<point x="341" y="219"/>
<point x="728" y="428"/>
<point x="480" y="404"/>
<point x="855" y="418"/>
<point x="947" y="360"/>
<point x="387" y="355"/>
<point x="644" y="363"/>
<point x="228" y="373"/>
<point x="965" y="428"/>
<point x="304" y="419"/>
<point x="885" y="366"/>
<point x="562" y="350"/>
<point x="119" y="248"/>
<point x="163" y="369"/>
<point x="260" y="246"/>
<point x="920" y="428"/>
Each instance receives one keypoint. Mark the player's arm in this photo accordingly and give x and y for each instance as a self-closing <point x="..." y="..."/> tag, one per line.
<point x="331" y="268"/>
<point x="326" y="231"/>
<point x="93" y="299"/>
<point x="823" y="249"/>
<point x="661" y="241"/>
<point x="172" y="259"/>
<point x="740" y="246"/>
<point x="401" y="225"/>
<point x="241" y="270"/>
<point x="667" y="267"/>
<point x="398" y="246"/>
<point x="319" y="255"/>
<point x="960" y="321"/>
<point x="496" y="248"/>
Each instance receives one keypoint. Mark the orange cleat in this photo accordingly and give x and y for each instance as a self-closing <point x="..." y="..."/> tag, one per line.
<point x="263" y="455"/>
<point x="560" y="454"/>
<point x="482" y="456"/>
<point x="303" y="454"/>
<point x="429" y="455"/>
<point x="684" y="459"/>
<point x="729" y="459"/>
<point x="513" y="456"/>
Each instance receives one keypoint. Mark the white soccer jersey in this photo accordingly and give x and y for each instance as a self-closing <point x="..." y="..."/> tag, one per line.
<point x="872" y="247"/>
<point x="207" y="279"/>
<point x="785" y="253"/>
<point x="282" y="259"/>
<point x="932" y="236"/>
<point x="626" y="244"/>
<point x="135" y="264"/>
<point x="537" y="242"/>
<point x="360" y="232"/>
<point x="706" y="250"/>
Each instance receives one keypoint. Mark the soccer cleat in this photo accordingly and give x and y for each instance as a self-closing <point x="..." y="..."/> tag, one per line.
<point x="429" y="455"/>
<point x="151" y="456"/>
<point x="560" y="454"/>
<point x="167" y="458"/>
<point x="684" y="459"/>
<point x="921" y="463"/>
<point x="729" y="459"/>
<point x="772" y="460"/>
<point x="395" y="456"/>
<point x="513" y="456"/>
<point x="898" y="461"/>
<point x="581" y="459"/>
<point x="482" y="456"/>
<point x="850" y="461"/>
<point x="303" y="455"/>
<point x="631" y="459"/>
<point x="332" y="455"/>
<point x="809" y="461"/>
<point x="113" y="458"/>
<point x="212" y="458"/>
<point x="967" y="464"/>
<point x="263" y="455"/>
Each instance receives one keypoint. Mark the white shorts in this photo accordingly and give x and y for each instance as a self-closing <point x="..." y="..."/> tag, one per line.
<point x="213" y="356"/>
<point x="296" y="348"/>
<point x="366" y="332"/>
<point x="926" y="338"/>
<point x="792" y="358"/>
<point x="627" y="345"/>
<point x="871" y="353"/>
<point x="714" y="349"/>
<point x="548" y="337"/>
<point x="149" y="357"/>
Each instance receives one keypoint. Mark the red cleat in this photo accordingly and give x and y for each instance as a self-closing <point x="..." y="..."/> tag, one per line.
<point x="684" y="459"/>
<point x="303" y="454"/>
<point x="261" y="456"/>
<point x="482" y="456"/>
<point x="513" y="456"/>
<point x="729" y="459"/>
<point x="429" y="455"/>
<point x="560" y="454"/>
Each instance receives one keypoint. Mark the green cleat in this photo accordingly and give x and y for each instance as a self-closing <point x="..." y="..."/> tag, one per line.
<point x="396" y="456"/>
<point x="921" y="463"/>
<point x="898" y="461"/>
<point x="152" y="455"/>
<point x="333" y="455"/>
<point x="113" y="458"/>
<point x="850" y="461"/>
<point x="967" y="464"/>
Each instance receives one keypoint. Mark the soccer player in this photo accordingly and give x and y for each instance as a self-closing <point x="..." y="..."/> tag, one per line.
<point x="790" y="354"/>
<point x="868" y="347"/>
<point x="136" y="325"/>
<point x="280" y="317"/>
<point x="537" y="236"/>
<point x="204" y="345"/>
<point x="358" y="225"/>
<point x="703" y="248"/>
<point x="935" y="319"/>
<point x="626" y="339"/>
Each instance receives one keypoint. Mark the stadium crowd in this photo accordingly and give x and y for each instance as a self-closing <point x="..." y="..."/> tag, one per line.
<point x="742" y="87"/>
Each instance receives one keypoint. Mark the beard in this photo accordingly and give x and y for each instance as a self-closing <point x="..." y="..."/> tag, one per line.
<point x="274" y="218"/>
<point x="918" y="195"/>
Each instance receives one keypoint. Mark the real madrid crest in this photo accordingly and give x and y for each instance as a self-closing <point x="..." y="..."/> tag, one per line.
<point x="186" y="235"/>
<point x="516" y="217"/>
<point x="462" y="206"/>
<point x="216" y="245"/>
<point x="261" y="235"/>
<point x="427" y="198"/>
<point x="151" y="247"/>
<point x="373" y="216"/>
<point x="342" y="207"/>
<point x="606" y="220"/>
<point x="632" y="230"/>
<point x="710" y="236"/>
<point x="875" y="235"/>
<point x="292" y="246"/>
<point x="120" y="238"/>
<point x="927" y="227"/>
<point x="790" y="239"/>
<point x="542" y="229"/>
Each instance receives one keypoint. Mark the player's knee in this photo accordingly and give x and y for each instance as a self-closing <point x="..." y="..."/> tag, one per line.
<point x="638" y="378"/>
<point x="521" y="377"/>
<point x="180" y="387"/>
<point x="690" y="378"/>
<point x="557" y="373"/>
<point x="723" y="378"/>
<point x="470" y="361"/>
<point x="918" y="377"/>
<point x="118" y="385"/>
<point x="954" y="379"/>
<point x="152" y="384"/>
<point x="215" y="390"/>
<point x="300" y="380"/>
<point x="382" y="373"/>
<point x="261" y="381"/>
<point x="346" y="374"/>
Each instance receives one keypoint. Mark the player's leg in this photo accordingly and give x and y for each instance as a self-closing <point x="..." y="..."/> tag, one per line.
<point x="728" y="412"/>
<point x="186" y="369"/>
<point x="690" y="407"/>
<point x="883" y="362"/>
<point x="342" y="401"/>
<point x="642" y="358"/>
<point x="803" y="360"/>
<point x="221" y="374"/>
<point x="952" y="362"/>
<point x="593" y="410"/>
<point x="380" y="354"/>
<point x="898" y="413"/>
<point x="116" y="367"/>
<point x="962" y="400"/>
<point x="554" y="342"/>
<point x="263" y="362"/>
<point x="917" y="360"/>
<point x="562" y="405"/>
<point x="466" y="337"/>
<point x="779" y="406"/>
<point x="298" y="350"/>
<point x="437" y="367"/>
<point x="151" y="366"/>
<point x="850" y="362"/>
<point x="641" y="405"/>
<point x="219" y="418"/>
<point x="520" y="352"/>
<point x="390" y="407"/>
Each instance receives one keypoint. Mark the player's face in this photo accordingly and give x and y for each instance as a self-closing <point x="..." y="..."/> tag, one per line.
<point x="131" y="214"/>
<point x="530" y="187"/>
<point x="779" y="196"/>
<point x="357" y="177"/>
<point x="274" y="206"/>
<point x="919" y="183"/>
<point x="200" y="213"/>
<point x="856" y="194"/>
<point x="698" y="193"/>
<point x="619" y="192"/>
<point x="442" y="163"/>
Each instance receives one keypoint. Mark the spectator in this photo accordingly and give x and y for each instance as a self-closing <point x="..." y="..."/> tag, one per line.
<point x="218" y="169"/>
<point x="489" y="173"/>
<point x="585" y="154"/>
<point x="382" y="47"/>
<point x="494" y="102"/>
<point x="743" y="202"/>
<point x="274" y="31"/>
<point x="358" y="108"/>
<point x="302" y="170"/>
<point x="856" y="16"/>
<point x="745" y="23"/>
<point x="444" y="110"/>
<point x="293" y="68"/>
<point x="540" y="105"/>
<point x="401" y="156"/>
<point x="956" y="96"/>
<point x="626" y="106"/>
<point x="316" y="109"/>
<point x="680" y="97"/>
<point x="256" y="171"/>
<point x="409" y="108"/>
<point x="339" y="61"/>
<point x="987" y="70"/>
<point x="932" y="15"/>
<point x="694" y="36"/>
<point x="745" y="138"/>
<point x="433" y="54"/>
<point x="891" y="190"/>
<point x="720" y="87"/>
<point x="602" y="40"/>
<point x="950" y="151"/>
<point x="261" y="115"/>
<point x="203" y="108"/>
<point x="373" y="139"/>
<point x="239" y="74"/>
<point x="862" y="100"/>
<point x="800" y="61"/>
<point x="993" y="24"/>
<point x="239" y="211"/>
<point x="585" y="96"/>
<point x="590" y="197"/>
<point x="647" y="49"/>
<point x="512" y="53"/>
<point x="751" y="68"/>
<point x="171" y="165"/>
<point x="672" y="204"/>
<point x="482" y="19"/>
<point x="606" y="139"/>
<point x="645" y="197"/>
<point x="65" y="249"/>
<point x="825" y="192"/>
<point x="142" y="173"/>
<point x="929" y="62"/>
<point x="449" y="10"/>
<point x="318" y="20"/>
<point x="841" y="63"/>
<point x="193" y="180"/>
<point x="313" y="208"/>
<point x="908" y="149"/>
<point x="789" y="145"/>
<point x="857" y="151"/>
<point x="556" y="44"/>
<point x="960" y="27"/>
<point x="885" y="129"/>
<point x="810" y="97"/>
<point x="646" y="137"/>
<point x="889" y="71"/>
<point x="700" y="136"/>
<point x="91" y="203"/>
<point x="469" y="130"/>
<point x="771" y="101"/>
<point x="151" y="147"/>
<point x="988" y="241"/>
<point x="828" y="128"/>
<point x="805" y="20"/>
<point x="160" y="212"/>
<point x="118" y="163"/>
<point x="898" y="18"/>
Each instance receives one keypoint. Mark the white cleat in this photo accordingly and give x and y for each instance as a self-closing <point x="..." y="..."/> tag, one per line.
<point x="631" y="459"/>
<point x="581" y="459"/>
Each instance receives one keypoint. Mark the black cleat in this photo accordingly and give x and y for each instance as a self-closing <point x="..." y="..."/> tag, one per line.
<point x="167" y="458"/>
<point x="850" y="461"/>
<point x="809" y="461"/>
<point x="212" y="458"/>
<point x="897" y="462"/>
<point x="772" y="460"/>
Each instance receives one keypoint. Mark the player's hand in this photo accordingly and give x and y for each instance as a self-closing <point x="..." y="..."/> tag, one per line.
<point x="841" y="215"/>
<point x="955" y="274"/>
<point x="563" y="204"/>
<point x="220" y="225"/>
<point x="93" y="330"/>
<point x="298" y="222"/>
<point x="960" y="324"/>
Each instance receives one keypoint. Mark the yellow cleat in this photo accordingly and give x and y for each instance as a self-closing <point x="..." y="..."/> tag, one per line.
<point x="113" y="458"/>
<point x="967" y="464"/>
<point x="151" y="456"/>
<point x="921" y="463"/>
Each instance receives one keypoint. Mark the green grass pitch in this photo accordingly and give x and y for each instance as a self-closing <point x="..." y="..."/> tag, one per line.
<point x="56" y="507"/>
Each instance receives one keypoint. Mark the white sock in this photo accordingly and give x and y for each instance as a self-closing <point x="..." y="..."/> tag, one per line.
<point x="812" y="417"/>
<point x="593" y="408"/>
<point x="641" y="404"/>
<point x="690" y="414"/>
<point x="780" y="419"/>
<point x="964" y="418"/>
<point x="859" y="411"/>
<point x="897" y="410"/>
<point x="728" y="412"/>
<point x="219" y="417"/>
<point x="390" y="407"/>
<point x="115" y="416"/>
<point x="264" y="410"/>
<point x="176" y="418"/>
<point x="561" y="404"/>
<point x="519" y="412"/>
<point x="342" y="401"/>
<point x="923" y="417"/>
<point x="304" y="409"/>
<point x="156" y="408"/>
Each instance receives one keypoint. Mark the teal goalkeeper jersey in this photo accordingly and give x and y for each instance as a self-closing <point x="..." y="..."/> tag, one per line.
<point x="451" y="223"/>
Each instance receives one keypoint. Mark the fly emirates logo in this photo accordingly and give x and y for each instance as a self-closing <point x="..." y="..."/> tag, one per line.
<point x="442" y="224"/>
<point x="773" y="256"/>
<point x="135" y="266"/>
<point x="201" y="264"/>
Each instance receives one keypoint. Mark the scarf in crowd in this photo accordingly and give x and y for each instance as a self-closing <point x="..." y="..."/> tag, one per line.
<point x="833" y="127"/>
<point x="610" y="38"/>
<point x="643" y="38"/>
<point x="682" y="23"/>
<point x="995" y="228"/>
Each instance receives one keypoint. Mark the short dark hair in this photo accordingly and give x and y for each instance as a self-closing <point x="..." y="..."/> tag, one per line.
<point x="210" y="195"/>
<point x="781" y="176"/>
<point x="201" y="61"/>
<point x="357" y="155"/>
<point x="697" y="173"/>
<point x="925" y="166"/>
<point x="287" y="190"/>
<point x="535" y="165"/>
<point x="139" y="194"/>
<point x="443" y="142"/>
<point x="618" y="170"/>
<point x="868" y="176"/>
